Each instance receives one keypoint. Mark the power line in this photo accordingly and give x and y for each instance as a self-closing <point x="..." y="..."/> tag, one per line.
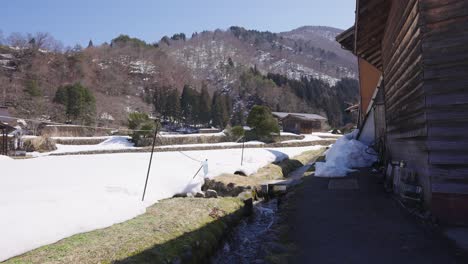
<point x="158" y="137"/>
<point x="194" y="159"/>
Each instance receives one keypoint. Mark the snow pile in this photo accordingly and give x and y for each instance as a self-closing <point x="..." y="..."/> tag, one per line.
<point x="111" y="143"/>
<point x="117" y="142"/>
<point x="326" y="134"/>
<point x="46" y="199"/>
<point x="345" y="154"/>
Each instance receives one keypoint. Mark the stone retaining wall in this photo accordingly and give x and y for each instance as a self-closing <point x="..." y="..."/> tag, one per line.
<point x="208" y="147"/>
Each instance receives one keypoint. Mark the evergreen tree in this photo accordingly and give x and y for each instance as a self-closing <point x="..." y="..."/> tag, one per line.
<point x="145" y="128"/>
<point x="263" y="123"/>
<point x="189" y="105"/>
<point x="230" y="62"/>
<point x="90" y="44"/>
<point x="238" y="118"/>
<point x="165" y="40"/>
<point x="173" y="105"/>
<point x="32" y="43"/>
<point x="180" y="36"/>
<point x="220" y="110"/>
<point x="79" y="102"/>
<point x="204" y="105"/>
<point x="123" y="40"/>
<point x="160" y="100"/>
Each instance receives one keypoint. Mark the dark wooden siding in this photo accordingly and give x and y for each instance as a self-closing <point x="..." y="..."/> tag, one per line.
<point x="445" y="62"/>
<point x="300" y="126"/>
<point x="405" y="102"/>
<point x="402" y="59"/>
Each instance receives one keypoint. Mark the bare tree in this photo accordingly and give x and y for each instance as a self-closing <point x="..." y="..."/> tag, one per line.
<point x="18" y="40"/>
<point x="44" y="41"/>
<point x="2" y="39"/>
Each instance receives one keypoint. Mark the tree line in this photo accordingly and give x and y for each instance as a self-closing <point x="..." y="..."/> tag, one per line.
<point x="192" y="107"/>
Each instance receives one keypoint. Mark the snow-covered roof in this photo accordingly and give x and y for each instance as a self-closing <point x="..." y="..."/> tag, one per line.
<point x="303" y="116"/>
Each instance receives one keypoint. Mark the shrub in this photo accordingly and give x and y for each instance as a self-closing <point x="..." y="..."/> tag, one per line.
<point x="264" y="125"/>
<point x="144" y="127"/>
<point x="237" y="131"/>
<point x="40" y="144"/>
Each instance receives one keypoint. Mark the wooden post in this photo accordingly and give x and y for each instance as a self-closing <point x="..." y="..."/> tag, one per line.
<point x="242" y="156"/>
<point x="151" y="159"/>
<point x="4" y="142"/>
<point x="197" y="172"/>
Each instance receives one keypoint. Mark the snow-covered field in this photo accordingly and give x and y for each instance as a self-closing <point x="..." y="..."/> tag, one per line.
<point x="48" y="198"/>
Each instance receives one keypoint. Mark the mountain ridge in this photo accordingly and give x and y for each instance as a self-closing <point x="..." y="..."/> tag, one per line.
<point x="124" y="74"/>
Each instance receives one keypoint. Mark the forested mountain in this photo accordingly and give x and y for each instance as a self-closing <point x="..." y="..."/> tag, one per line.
<point x="303" y="70"/>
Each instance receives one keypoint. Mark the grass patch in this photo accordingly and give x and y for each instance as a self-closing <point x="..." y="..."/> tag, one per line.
<point x="168" y="230"/>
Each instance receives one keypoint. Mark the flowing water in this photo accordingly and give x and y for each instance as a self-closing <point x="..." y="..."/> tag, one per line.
<point x="244" y="244"/>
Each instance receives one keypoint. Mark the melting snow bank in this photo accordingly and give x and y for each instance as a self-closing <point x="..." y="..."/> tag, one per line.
<point x="345" y="154"/>
<point x="45" y="199"/>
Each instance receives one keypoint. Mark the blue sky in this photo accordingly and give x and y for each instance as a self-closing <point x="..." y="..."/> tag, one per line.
<point x="101" y="20"/>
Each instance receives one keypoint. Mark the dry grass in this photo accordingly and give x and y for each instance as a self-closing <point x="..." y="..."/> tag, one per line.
<point x="165" y="230"/>
<point x="80" y="141"/>
<point x="40" y="144"/>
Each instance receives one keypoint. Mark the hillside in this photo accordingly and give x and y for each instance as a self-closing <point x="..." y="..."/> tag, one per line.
<point x="124" y="74"/>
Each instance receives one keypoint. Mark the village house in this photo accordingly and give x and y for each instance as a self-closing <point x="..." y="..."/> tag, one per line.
<point x="413" y="64"/>
<point x="5" y="130"/>
<point x="300" y="123"/>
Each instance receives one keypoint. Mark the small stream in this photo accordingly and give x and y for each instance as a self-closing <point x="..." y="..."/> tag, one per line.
<point x="244" y="244"/>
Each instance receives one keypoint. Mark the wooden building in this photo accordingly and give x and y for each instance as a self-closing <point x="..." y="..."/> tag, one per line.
<point x="5" y="130"/>
<point x="413" y="64"/>
<point x="300" y="123"/>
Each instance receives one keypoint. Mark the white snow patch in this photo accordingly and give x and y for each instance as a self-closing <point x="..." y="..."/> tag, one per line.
<point x="2" y="158"/>
<point x="282" y="133"/>
<point x="107" y="116"/>
<point x="347" y="153"/>
<point x="324" y="134"/>
<point x="7" y="56"/>
<point x="143" y="67"/>
<point x="111" y="143"/>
